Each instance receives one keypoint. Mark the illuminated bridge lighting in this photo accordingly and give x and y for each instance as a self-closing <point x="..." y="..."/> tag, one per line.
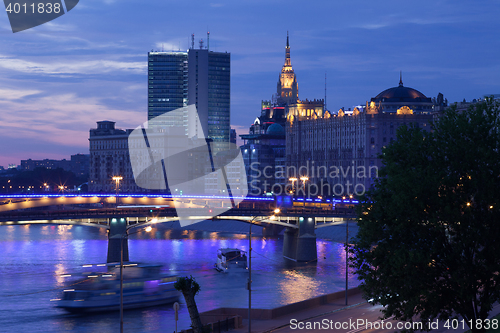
<point x="109" y="195"/>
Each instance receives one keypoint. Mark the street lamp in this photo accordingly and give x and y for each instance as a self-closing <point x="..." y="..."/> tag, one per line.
<point x="124" y="236"/>
<point x="293" y="180"/>
<point x="304" y="179"/>
<point x="117" y="180"/>
<point x="346" y="259"/>
<point x="249" y="284"/>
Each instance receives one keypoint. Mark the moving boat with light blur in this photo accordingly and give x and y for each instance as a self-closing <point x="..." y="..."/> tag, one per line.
<point x="231" y="260"/>
<point x="97" y="291"/>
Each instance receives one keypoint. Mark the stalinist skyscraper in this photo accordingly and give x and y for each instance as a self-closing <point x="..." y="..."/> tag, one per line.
<point x="288" y="89"/>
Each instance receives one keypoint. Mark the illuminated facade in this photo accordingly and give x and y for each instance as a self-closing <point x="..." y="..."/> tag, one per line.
<point x="288" y="88"/>
<point x="339" y="151"/>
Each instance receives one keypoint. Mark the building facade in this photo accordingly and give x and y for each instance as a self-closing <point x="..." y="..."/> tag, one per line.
<point x="167" y="86"/>
<point x="209" y="88"/>
<point x="78" y="164"/>
<point x="199" y="76"/>
<point x="109" y="157"/>
<point x="264" y="149"/>
<point x="339" y="152"/>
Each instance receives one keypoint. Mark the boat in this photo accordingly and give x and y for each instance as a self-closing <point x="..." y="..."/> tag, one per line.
<point x="143" y="286"/>
<point x="231" y="260"/>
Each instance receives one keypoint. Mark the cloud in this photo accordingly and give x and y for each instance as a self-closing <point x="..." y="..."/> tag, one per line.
<point x="13" y="94"/>
<point x="63" y="120"/>
<point x="71" y="67"/>
<point x="168" y="46"/>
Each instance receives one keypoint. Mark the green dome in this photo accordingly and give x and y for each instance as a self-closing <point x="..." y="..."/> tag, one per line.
<point x="275" y="130"/>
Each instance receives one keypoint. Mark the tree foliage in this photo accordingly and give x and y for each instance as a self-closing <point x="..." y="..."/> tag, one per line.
<point x="190" y="288"/>
<point x="428" y="245"/>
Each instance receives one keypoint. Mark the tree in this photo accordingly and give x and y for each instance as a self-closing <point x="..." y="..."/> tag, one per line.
<point x="428" y="242"/>
<point x="190" y="288"/>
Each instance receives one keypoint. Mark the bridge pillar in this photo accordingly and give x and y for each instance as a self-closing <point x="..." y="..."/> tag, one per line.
<point x="290" y="243"/>
<point x="300" y="244"/>
<point x="117" y="234"/>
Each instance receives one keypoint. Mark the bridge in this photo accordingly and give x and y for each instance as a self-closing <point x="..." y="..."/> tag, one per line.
<point x="132" y="211"/>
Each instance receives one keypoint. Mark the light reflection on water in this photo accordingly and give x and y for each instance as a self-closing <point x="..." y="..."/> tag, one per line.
<point x="34" y="257"/>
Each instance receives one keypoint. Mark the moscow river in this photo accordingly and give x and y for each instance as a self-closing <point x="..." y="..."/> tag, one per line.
<point x="34" y="257"/>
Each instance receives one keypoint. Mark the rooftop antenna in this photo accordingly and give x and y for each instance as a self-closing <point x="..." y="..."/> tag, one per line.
<point x="192" y="41"/>
<point x="201" y="43"/>
<point x="162" y="47"/>
<point x="400" y="78"/>
<point x="325" y="91"/>
<point x="208" y="40"/>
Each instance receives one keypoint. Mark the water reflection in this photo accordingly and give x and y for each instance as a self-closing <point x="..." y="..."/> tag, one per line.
<point x="35" y="256"/>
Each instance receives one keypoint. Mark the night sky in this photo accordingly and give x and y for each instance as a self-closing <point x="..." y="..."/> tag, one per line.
<point x="58" y="79"/>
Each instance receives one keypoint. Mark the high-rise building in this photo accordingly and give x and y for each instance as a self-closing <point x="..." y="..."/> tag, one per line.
<point x="288" y="88"/>
<point x="167" y="86"/>
<point x="209" y="88"/>
<point x="198" y="76"/>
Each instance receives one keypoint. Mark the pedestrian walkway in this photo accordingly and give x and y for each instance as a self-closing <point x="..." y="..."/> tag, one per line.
<point x="357" y="316"/>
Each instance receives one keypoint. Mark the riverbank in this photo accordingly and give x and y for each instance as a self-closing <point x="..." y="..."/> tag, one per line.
<point x="266" y="320"/>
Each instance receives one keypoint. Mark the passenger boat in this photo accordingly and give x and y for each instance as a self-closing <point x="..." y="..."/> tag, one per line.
<point x="143" y="286"/>
<point x="230" y="260"/>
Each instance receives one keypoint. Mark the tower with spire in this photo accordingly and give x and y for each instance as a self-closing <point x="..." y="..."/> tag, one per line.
<point x="288" y="89"/>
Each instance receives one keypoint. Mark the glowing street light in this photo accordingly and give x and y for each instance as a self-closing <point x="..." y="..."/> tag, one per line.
<point x="304" y="180"/>
<point x="117" y="180"/>
<point x="293" y="180"/>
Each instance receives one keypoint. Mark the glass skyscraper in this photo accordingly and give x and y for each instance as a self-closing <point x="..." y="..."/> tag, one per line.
<point x="167" y="85"/>
<point x="198" y="76"/>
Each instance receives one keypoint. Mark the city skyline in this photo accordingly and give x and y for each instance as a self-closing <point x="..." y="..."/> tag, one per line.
<point x="58" y="79"/>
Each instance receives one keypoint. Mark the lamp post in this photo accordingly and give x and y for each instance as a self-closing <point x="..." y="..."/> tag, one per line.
<point x="304" y="180"/>
<point x="293" y="180"/>
<point x="346" y="259"/>
<point x="124" y="236"/>
<point x="249" y="284"/>
<point x="117" y="186"/>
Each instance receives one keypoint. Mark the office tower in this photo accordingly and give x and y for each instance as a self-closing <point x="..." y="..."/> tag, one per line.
<point x="209" y="89"/>
<point x="198" y="76"/>
<point x="167" y="86"/>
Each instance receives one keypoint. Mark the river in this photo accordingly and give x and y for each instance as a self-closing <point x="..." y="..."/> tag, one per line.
<point x="34" y="257"/>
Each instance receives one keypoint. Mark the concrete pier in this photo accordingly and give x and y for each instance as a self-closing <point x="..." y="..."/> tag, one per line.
<point x="117" y="232"/>
<point x="300" y="244"/>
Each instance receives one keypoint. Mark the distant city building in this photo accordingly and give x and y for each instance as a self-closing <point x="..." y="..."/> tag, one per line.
<point x="109" y="157"/>
<point x="232" y="138"/>
<point x="264" y="157"/>
<point x="339" y="152"/>
<point x="78" y="164"/>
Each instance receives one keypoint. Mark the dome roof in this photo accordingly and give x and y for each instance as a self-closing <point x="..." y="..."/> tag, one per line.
<point x="400" y="93"/>
<point x="275" y="130"/>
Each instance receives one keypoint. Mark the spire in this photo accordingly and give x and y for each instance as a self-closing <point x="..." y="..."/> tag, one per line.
<point x="400" y="78"/>
<point x="288" y="63"/>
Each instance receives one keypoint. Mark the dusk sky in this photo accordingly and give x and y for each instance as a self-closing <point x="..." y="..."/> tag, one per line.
<point x="58" y="79"/>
